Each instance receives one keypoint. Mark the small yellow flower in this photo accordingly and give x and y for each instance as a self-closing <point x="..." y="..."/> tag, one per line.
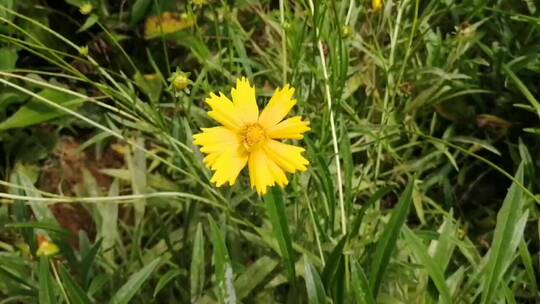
<point x="376" y="5"/>
<point x="86" y="8"/>
<point x="46" y="247"/>
<point x="252" y="139"/>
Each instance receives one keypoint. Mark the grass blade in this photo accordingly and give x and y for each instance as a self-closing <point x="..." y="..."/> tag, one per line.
<point x="222" y="265"/>
<point x="360" y="216"/>
<point x="508" y="233"/>
<point x="348" y="165"/>
<point x="433" y="268"/>
<point x="134" y="283"/>
<point x="442" y="249"/>
<point x="138" y="10"/>
<point x="522" y="88"/>
<point x="314" y="285"/>
<point x="529" y="268"/>
<point x="253" y="276"/>
<point x="87" y="261"/>
<point x="46" y="287"/>
<point x="197" y="265"/>
<point x="360" y="285"/>
<point x="166" y="279"/>
<point x="322" y="171"/>
<point x="278" y="218"/>
<point x="75" y="293"/>
<point x="387" y="242"/>
<point x="332" y="263"/>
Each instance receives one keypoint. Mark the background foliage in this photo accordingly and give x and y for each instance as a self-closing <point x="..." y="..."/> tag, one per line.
<point x="423" y="113"/>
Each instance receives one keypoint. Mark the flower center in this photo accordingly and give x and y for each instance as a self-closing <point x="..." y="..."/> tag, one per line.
<point x="253" y="134"/>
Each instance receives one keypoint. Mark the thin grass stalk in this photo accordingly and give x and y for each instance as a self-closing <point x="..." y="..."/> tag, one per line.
<point x="332" y="126"/>
<point x="283" y="40"/>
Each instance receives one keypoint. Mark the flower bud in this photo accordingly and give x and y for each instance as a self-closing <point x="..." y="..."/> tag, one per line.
<point x="180" y="80"/>
<point x="83" y="51"/>
<point x="86" y="8"/>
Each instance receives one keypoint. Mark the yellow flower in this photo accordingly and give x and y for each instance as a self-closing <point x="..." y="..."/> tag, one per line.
<point x="247" y="138"/>
<point x="46" y="247"/>
<point x="86" y="8"/>
<point x="376" y="5"/>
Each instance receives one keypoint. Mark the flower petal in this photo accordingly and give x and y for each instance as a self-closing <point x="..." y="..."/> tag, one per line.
<point x="264" y="172"/>
<point x="228" y="165"/>
<point x="280" y="104"/>
<point x="244" y="100"/>
<point x="288" y="157"/>
<point x="260" y="175"/>
<point x="292" y="128"/>
<point x="224" y="112"/>
<point x="226" y="154"/>
<point x="277" y="173"/>
<point x="210" y="159"/>
<point x="216" y="139"/>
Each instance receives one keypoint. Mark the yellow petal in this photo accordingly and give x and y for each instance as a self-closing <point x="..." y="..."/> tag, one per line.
<point x="277" y="173"/>
<point x="288" y="157"/>
<point x="47" y="248"/>
<point x="264" y="172"/>
<point x="224" y="112"/>
<point x="210" y="159"/>
<point x="292" y="128"/>
<point x="243" y="97"/>
<point x="226" y="154"/>
<point x="216" y="139"/>
<point x="279" y="106"/>
<point x="228" y="165"/>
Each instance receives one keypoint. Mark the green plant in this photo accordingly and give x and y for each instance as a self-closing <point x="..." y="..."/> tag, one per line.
<point x="420" y="114"/>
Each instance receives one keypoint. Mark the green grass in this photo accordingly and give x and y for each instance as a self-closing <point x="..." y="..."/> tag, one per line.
<point x="423" y="150"/>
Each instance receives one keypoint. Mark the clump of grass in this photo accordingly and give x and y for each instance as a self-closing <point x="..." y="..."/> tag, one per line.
<point x="421" y="114"/>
